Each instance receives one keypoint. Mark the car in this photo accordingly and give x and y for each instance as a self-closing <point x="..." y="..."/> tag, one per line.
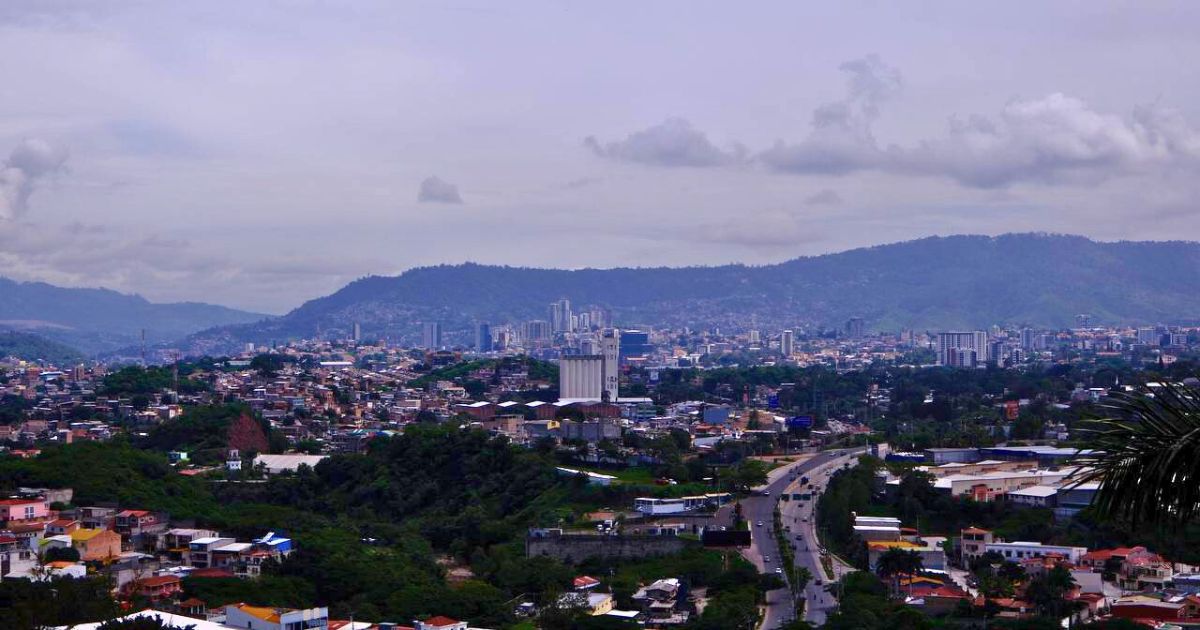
<point x="779" y="569"/>
<point x="767" y="559"/>
<point x="819" y="582"/>
<point x="758" y="524"/>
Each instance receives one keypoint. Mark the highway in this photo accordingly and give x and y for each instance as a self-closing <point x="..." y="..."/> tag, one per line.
<point x="764" y="551"/>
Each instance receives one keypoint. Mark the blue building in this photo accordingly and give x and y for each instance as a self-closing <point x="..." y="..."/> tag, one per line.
<point x="635" y="344"/>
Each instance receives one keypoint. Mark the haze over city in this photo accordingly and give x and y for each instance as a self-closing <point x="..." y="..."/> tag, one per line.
<point x="257" y="155"/>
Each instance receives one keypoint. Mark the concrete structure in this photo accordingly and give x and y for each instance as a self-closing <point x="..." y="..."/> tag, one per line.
<point x="610" y="350"/>
<point x="581" y="376"/>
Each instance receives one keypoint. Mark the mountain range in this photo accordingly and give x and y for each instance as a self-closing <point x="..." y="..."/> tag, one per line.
<point x="100" y="320"/>
<point x="931" y="283"/>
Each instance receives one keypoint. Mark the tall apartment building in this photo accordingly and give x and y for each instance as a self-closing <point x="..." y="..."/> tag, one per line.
<point x="483" y="337"/>
<point x="561" y="319"/>
<point x="431" y="335"/>
<point x="963" y="349"/>
<point x="787" y="343"/>
<point x="855" y="327"/>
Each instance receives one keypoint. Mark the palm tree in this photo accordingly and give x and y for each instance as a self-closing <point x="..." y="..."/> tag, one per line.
<point x="1147" y="456"/>
<point x="896" y="562"/>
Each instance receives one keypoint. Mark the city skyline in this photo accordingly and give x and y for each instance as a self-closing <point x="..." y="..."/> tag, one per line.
<point x="263" y="157"/>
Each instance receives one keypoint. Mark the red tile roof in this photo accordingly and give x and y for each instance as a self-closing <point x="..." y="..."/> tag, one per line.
<point x="439" y="621"/>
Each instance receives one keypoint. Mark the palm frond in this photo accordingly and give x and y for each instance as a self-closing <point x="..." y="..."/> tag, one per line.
<point x="1147" y="456"/>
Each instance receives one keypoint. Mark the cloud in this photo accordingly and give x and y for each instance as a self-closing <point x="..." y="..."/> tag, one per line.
<point x="30" y="162"/>
<point x="437" y="190"/>
<point x="1055" y="139"/>
<point x="1051" y="140"/>
<point x="673" y="142"/>
<point x="824" y="197"/>
<point x="841" y="140"/>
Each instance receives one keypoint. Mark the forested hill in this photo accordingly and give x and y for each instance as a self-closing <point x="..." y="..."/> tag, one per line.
<point x="96" y="320"/>
<point x="34" y="348"/>
<point x="936" y="282"/>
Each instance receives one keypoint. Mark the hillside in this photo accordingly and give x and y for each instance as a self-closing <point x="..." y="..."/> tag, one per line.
<point x="34" y="348"/>
<point x="930" y="283"/>
<point x="97" y="320"/>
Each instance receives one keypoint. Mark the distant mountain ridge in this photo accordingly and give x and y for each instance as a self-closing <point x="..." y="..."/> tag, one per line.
<point x="929" y="283"/>
<point x="98" y="320"/>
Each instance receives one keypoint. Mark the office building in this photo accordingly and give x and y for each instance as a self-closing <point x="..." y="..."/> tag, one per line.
<point x="537" y="330"/>
<point x="635" y="344"/>
<point x="1027" y="339"/>
<point x="855" y="328"/>
<point x="356" y="334"/>
<point x="787" y="343"/>
<point x="1148" y="336"/>
<point x="483" y="337"/>
<point x="431" y="335"/>
<point x="953" y="346"/>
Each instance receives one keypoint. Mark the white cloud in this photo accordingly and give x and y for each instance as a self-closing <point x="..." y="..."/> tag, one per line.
<point x="1052" y="140"/>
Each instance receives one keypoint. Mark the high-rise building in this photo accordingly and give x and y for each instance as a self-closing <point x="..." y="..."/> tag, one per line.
<point x="1027" y="339"/>
<point x="610" y="350"/>
<point x="431" y="335"/>
<point x="855" y="327"/>
<point x="1149" y="336"/>
<point x="356" y="334"/>
<point x="483" y="337"/>
<point x="536" y="330"/>
<point x="581" y="376"/>
<point x="560" y="316"/>
<point x="755" y="337"/>
<point x="951" y="342"/>
<point x="787" y="343"/>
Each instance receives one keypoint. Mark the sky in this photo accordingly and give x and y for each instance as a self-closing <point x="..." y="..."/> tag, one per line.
<point x="260" y="154"/>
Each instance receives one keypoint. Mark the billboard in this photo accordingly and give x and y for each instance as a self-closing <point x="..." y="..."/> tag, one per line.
<point x="800" y="422"/>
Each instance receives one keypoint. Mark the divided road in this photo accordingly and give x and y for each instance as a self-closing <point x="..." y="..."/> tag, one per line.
<point x="764" y="551"/>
